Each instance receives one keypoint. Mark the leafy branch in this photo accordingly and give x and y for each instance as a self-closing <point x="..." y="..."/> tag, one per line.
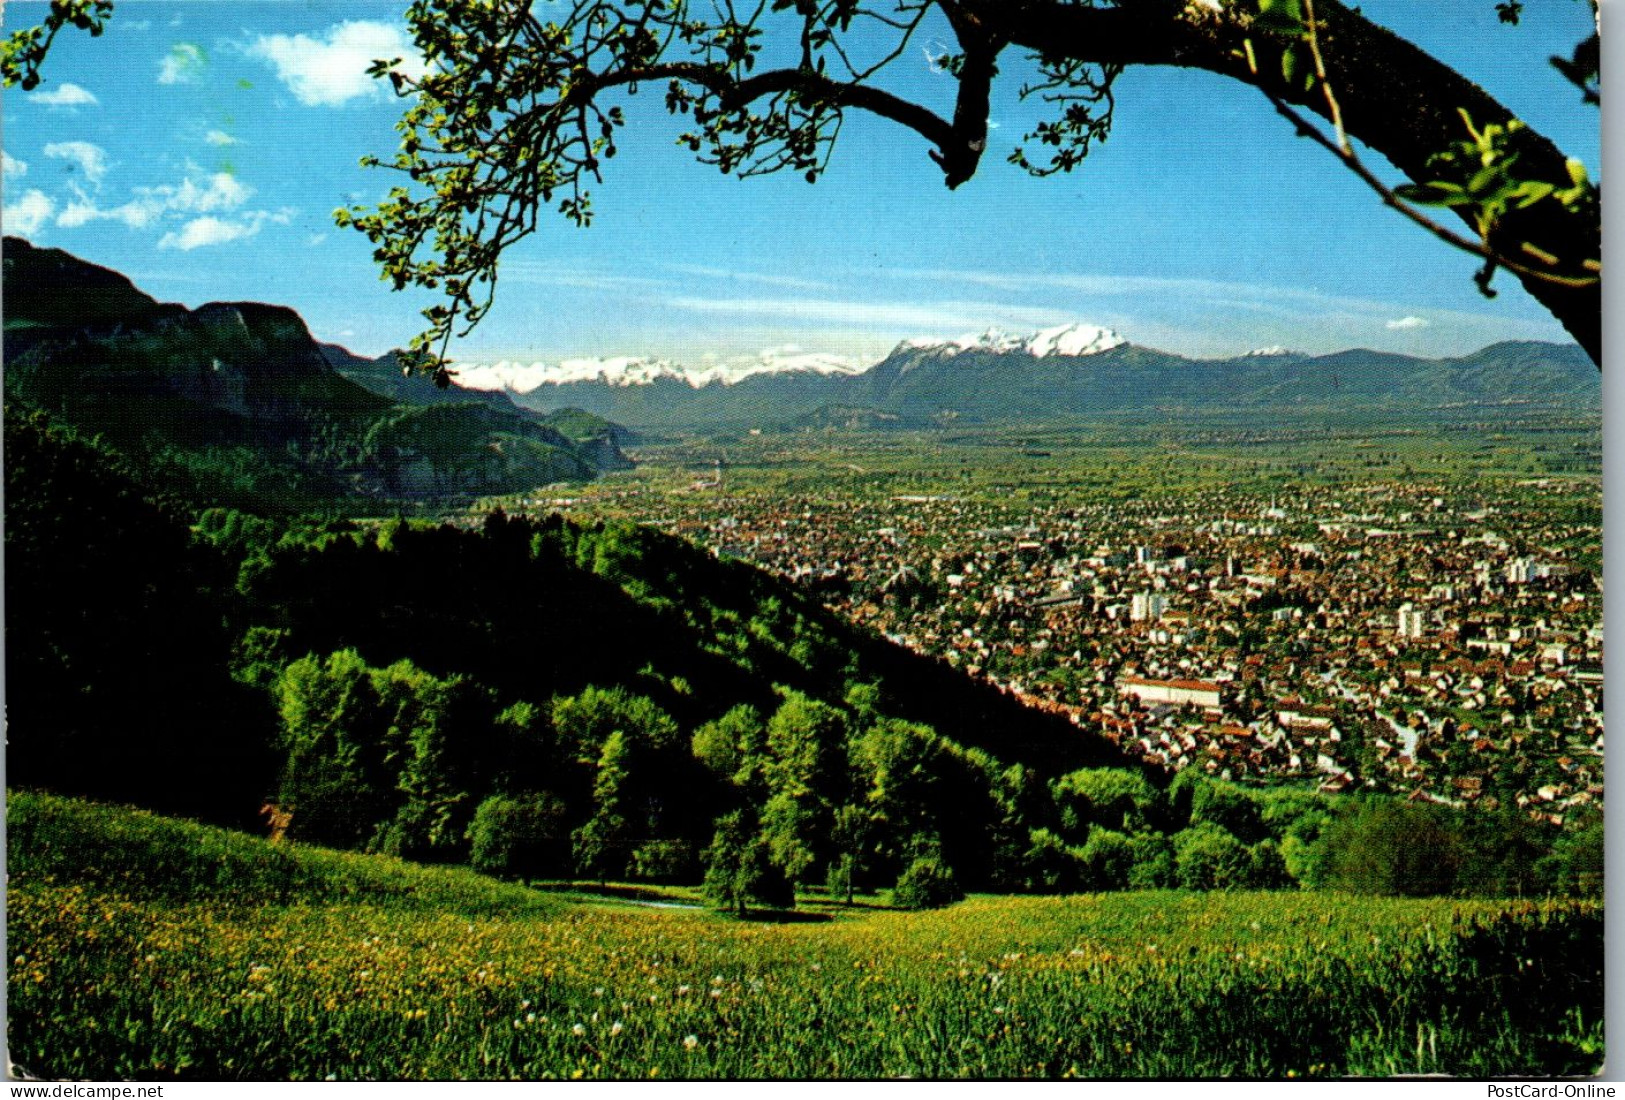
<point x="520" y="105"/>
<point x="1477" y="173"/>
<point x="1083" y="92"/>
<point x="24" y="52"/>
<point x="515" y="114"/>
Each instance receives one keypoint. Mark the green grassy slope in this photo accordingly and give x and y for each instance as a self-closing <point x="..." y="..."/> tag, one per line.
<point x="146" y="948"/>
<point x="137" y="854"/>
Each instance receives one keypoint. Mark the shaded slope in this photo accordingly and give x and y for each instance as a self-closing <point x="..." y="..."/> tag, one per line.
<point x="239" y="400"/>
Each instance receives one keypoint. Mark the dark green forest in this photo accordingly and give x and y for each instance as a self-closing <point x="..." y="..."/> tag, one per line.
<point x="544" y="701"/>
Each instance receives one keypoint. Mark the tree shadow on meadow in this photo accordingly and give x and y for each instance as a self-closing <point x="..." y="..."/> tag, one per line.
<point x="783" y="916"/>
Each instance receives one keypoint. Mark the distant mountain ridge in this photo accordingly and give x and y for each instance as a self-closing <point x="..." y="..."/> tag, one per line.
<point x="1082" y="371"/>
<point x="84" y="341"/>
<point x="242" y="394"/>
<point x="385" y="376"/>
<point x="599" y="439"/>
<point x="81" y="339"/>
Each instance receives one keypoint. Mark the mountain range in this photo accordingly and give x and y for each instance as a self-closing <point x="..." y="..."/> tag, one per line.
<point x="85" y="343"/>
<point x="240" y="397"/>
<point x="1075" y="371"/>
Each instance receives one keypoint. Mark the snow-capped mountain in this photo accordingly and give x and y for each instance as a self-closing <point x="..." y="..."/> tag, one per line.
<point x="1073" y="339"/>
<point x="1075" y="370"/>
<point x="628" y="370"/>
<point x="635" y="370"/>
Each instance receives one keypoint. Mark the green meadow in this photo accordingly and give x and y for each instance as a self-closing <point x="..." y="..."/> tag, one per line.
<point x="150" y="948"/>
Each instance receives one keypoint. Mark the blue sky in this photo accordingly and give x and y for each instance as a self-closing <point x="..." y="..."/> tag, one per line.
<point x="201" y="148"/>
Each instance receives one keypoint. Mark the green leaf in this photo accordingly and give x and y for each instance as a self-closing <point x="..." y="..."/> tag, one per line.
<point x="1289" y="64"/>
<point x="1434" y="193"/>
<point x="1280" y="17"/>
<point x="1282" y="9"/>
<point x="1481" y="180"/>
<point x="1530" y="192"/>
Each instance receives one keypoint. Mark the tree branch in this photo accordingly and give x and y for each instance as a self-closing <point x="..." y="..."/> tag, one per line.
<point x="962" y="153"/>
<point x="494" y="133"/>
<point x="1396" y="98"/>
<point x="1343" y="152"/>
<point x="735" y="95"/>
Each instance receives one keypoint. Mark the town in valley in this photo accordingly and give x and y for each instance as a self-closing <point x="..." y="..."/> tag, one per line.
<point x="1411" y="610"/>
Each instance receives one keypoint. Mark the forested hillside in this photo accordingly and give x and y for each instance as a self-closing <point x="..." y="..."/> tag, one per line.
<point x="382" y="683"/>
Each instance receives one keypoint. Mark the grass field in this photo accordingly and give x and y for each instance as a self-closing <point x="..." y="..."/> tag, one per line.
<point x="148" y="948"/>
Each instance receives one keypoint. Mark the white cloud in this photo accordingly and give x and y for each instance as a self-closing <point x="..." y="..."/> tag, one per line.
<point x="790" y="282"/>
<point x="207" y="230"/>
<point x="1121" y="285"/>
<point x="328" y="71"/>
<point x="82" y="212"/>
<point x="1412" y="321"/>
<point x="68" y="95"/>
<point x="220" y="137"/>
<point x="210" y="230"/>
<point x="221" y="191"/>
<point x="90" y="159"/>
<point x="315" y="239"/>
<point x="77" y="213"/>
<point x="181" y="65"/>
<point x="857" y="313"/>
<point x="532" y="273"/>
<point x="11" y="166"/>
<point x="136" y="214"/>
<point x="217" y="192"/>
<point x="29" y="214"/>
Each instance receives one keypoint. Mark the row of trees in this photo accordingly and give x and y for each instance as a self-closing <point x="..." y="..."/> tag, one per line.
<point x="538" y="608"/>
<point x="606" y="785"/>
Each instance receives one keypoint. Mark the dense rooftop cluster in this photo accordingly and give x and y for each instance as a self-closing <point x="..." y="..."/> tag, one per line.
<point x="1438" y="639"/>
